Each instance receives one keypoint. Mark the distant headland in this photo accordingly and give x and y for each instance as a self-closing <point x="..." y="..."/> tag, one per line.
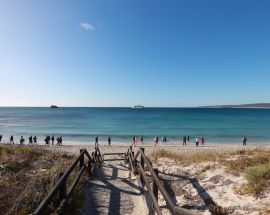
<point x="253" y="105"/>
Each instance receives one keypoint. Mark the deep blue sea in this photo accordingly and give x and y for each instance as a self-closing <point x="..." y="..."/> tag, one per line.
<point x="81" y="125"/>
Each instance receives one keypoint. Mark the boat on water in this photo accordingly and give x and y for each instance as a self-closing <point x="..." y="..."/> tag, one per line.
<point x="138" y="107"/>
<point x="53" y="106"/>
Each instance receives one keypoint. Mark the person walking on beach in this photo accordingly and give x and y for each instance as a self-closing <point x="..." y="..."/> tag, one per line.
<point x="11" y="139"/>
<point x="184" y="141"/>
<point x="96" y="141"/>
<point x="30" y="140"/>
<point x="35" y="139"/>
<point x="134" y="140"/>
<point x="156" y="140"/>
<point x="244" y="141"/>
<point x="141" y="139"/>
<point x="59" y="140"/>
<point x="188" y="139"/>
<point x="21" y="140"/>
<point x="1" y="137"/>
<point x="109" y="141"/>
<point x="197" y="141"/>
<point x="47" y="140"/>
<point x="164" y="139"/>
<point x="52" y="139"/>
<point x="202" y="140"/>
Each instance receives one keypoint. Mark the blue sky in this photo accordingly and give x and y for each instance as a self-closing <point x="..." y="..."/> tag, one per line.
<point x="127" y="52"/>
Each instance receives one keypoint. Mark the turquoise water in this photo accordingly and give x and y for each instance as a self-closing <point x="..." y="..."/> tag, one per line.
<point x="83" y="124"/>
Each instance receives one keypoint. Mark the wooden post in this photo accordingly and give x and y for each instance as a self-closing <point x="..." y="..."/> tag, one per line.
<point x="62" y="188"/>
<point x="89" y="167"/>
<point x="126" y="158"/>
<point x="129" y="155"/>
<point x="81" y="159"/>
<point x="155" y="189"/>
<point x="142" y="160"/>
<point x="142" y="164"/>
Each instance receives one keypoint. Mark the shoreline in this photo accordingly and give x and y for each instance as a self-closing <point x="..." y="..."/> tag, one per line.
<point x="74" y="149"/>
<point x="178" y="149"/>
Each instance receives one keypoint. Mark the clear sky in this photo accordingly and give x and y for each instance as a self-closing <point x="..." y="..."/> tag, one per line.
<point x="129" y="52"/>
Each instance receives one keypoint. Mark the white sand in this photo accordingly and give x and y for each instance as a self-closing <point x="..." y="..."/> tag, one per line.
<point x="216" y="182"/>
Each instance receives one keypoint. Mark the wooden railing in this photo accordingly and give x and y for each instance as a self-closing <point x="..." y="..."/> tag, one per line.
<point x="137" y="166"/>
<point x="59" y="191"/>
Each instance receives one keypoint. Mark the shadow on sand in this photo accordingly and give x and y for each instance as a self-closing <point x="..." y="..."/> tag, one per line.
<point x="209" y="203"/>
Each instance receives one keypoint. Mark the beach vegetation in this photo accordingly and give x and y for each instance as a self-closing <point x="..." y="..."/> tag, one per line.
<point x="187" y="158"/>
<point x="253" y="164"/>
<point x="27" y="174"/>
<point x="258" y="179"/>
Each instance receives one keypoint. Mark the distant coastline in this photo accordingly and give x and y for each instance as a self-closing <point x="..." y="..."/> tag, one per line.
<point x="253" y="105"/>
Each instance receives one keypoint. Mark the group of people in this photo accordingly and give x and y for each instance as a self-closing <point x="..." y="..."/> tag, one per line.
<point x="49" y="139"/>
<point x="59" y="140"/>
<point x="33" y="140"/>
<point x="109" y="141"/>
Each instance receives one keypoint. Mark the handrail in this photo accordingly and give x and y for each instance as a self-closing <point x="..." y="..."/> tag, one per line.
<point x="155" y="203"/>
<point x="60" y="186"/>
<point x="160" y="186"/>
<point x="175" y="210"/>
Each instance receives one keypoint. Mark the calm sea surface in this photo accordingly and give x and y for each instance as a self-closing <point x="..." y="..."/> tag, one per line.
<point x="83" y="124"/>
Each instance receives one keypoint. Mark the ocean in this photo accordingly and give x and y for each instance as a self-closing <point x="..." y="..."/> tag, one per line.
<point x="82" y="125"/>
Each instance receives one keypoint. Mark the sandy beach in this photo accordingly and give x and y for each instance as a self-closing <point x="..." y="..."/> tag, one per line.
<point x="176" y="148"/>
<point x="198" y="185"/>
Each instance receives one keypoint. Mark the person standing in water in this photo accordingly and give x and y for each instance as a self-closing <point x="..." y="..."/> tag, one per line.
<point x="188" y="139"/>
<point x="109" y="141"/>
<point x="141" y="139"/>
<point x="1" y="137"/>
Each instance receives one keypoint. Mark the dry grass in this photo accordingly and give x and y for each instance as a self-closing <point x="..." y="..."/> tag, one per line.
<point x="27" y="174"/>
<point x="253" y="163"/>
<point x="265" y="210"/>
<point x="194" y="157"/>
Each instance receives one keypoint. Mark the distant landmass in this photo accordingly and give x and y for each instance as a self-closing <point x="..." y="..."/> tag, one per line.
<point x="254" y="105"/>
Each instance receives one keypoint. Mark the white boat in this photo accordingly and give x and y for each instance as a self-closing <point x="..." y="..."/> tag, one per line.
<point x="138" y="107"/>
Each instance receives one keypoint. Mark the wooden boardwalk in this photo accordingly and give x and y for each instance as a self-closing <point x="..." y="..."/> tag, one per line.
<point x="112" y="192"/>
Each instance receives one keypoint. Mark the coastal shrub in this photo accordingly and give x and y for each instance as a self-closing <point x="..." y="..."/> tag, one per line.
<point x="193" y="157"/>
<point x="240" y="164"/>
<point x="163" y="153"/>
<point x="27" y="174"/>
<point x="257" y="178"/>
